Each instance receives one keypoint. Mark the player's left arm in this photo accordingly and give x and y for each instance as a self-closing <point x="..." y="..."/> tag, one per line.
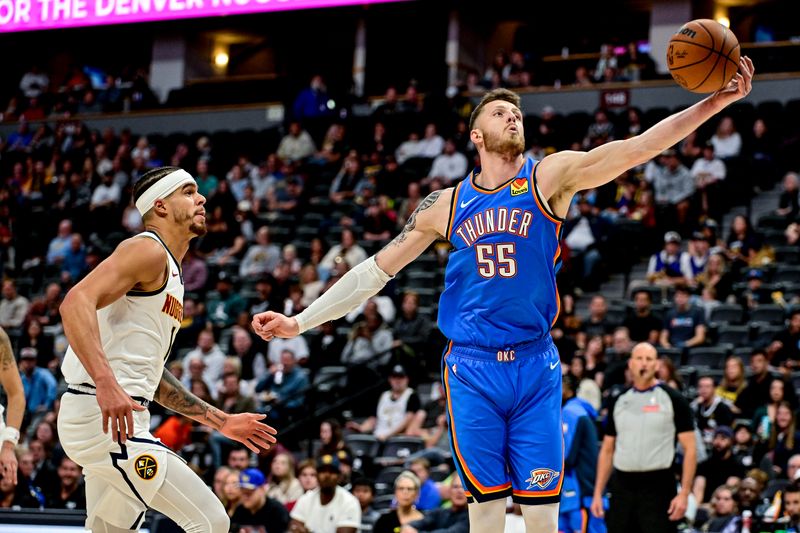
<point x="562" y="174"/>
<point x="12" y="384"/>
<point x="242" y="427"/>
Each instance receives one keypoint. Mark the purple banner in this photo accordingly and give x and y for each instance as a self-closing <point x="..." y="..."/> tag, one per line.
<point x="29" y="15"/>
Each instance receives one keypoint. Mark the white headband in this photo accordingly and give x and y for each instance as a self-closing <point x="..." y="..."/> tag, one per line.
<point x="163" y="188"/>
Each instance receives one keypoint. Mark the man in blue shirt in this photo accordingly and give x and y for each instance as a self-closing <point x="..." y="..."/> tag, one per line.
<point x="428" y="491"/>
<point x="285" y="387"/>
<point x="39" y="384"/>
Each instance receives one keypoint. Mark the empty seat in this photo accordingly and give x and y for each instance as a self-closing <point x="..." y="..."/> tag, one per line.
<point x="707" y="356"/>
<point x="765" y="335"/>
<point x="384" y="481"/>
<point x="382" y="502"/>
<point x="329" y="378"/>
<point x="399" y="448"/>
<point x="363" y="445"/>
<point x="734" y="335"/>
<point x="787" y="274"/>
<point x="769" y="314"/>
<point x="727" y="314"/>
<point x="787" y="254"/>
<point x="675" y="354"/>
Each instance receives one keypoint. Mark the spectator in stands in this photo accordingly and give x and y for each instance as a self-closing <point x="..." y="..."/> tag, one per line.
<point x="597" y="323"/>
<point x="720" y="469"/>
<point x="582" y="77"/>
<point x="586" y="388"/>
<point x="674" y="186"/>
<point x="44" y="476"/>
<point x="717" y="277"/>
<point x="370" y="341"/>
<point x="256" y="508"/>
<point x="664" y="267"/>
<point x="253" y="362"/>
<point x="238" y="458"/>
<point x="600" y="131"/>
<point x="20" y="496"/>
<point x="377" y="224"/>
<point x="209" y="353"/>
<point x="668" y="374"/>
<point x="406" y="491"/>
<point x="743" y="242"/>
<point x="395" y="411"/>
<point x="283" y="486"/>
<point x="428" y="497"/>
<point x="34" y="337"/>
<point x="693" y="263"/>
<point x="329" y="507"/>
<point x="231" y="491"/>
<point x="333" y="147"/>
<point x="784" y="440"/>
<point x="733" y="380"/>
<point x="789" y="201"/>
<point x="75" y="262"/>
<point x="71" y="493"/>
<point x="755" y="294"/>
<point x="750" y="490"/>
<point x="450" y="165"/>
<point x="60" y="243"/>
<point x="585" y="235"/>
<point x="297" y="144"/>
<point x="684" y="325"/>
<point x="13" y="307"/>
<point x="261" y="257"/>
<point x="206" y="182"/>
<point x="710" y="411"/>
<point x="284" y="388"/>
<point x="764" y="415"/>
<point x="45" y="308"/>
<point x="39" y="384"/>
<point x="784" y="350"/>
<point x="224" y="307"/>
<point x="643" y="325"/>
<point x="724" y="510"/>
<point x="307" y="474"/>
<point x="709" y="172"/>
<point x="313" y="101"/>
<point x="410" y="328"/>
<point x="726" y="140"/>
<point x="347" y="180"/>
<point x="195" y="271"/>
<point x="364" y="491"/>
<point x="390" y="104"/>
<point x="347" y="250"/>
<point x="286" y="199"/>
<point x="756" y="392"/>
<point x="297" y="345"/>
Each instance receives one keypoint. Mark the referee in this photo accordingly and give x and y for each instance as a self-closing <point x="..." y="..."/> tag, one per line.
<point x="643" y="423"/>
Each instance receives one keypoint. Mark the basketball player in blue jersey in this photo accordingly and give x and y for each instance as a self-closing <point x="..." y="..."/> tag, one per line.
<point x="500" y="369"/>
<point x="121" y="321"/>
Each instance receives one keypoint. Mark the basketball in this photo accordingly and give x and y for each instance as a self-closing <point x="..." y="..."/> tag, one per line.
<point x="703" y="56"/>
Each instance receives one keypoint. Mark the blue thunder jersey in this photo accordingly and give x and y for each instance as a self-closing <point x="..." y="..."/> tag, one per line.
<point x="500" y="282"/>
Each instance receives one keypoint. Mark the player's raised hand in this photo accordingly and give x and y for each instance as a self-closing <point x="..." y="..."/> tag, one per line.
<point x="740" y="85"/>
<point x="270" y="324"/>
<point x="246" y="428"/>
<point x="118" y="407"/>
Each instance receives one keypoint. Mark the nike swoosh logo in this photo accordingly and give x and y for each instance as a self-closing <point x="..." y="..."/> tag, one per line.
<point x="553" y="365"/>
<point x="465" y="204"/>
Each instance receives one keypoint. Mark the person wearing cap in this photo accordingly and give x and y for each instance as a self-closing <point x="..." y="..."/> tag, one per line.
<point x="673" y="186"/>
<point x="503" y="222"/>
<point x="121" y="321"/>
<point x="396" y="408"/>
<point x="755" y="294"/>
<point x="328" y="508"/>
<point x="685" y="324"/>
<point x="255" y="507"/>
<point x="718" y="469"/>
<point x="664" y="267"/>
<point x="39" y="384"/>
<point x="15" y="393"/>
<point x="693" y="263"/>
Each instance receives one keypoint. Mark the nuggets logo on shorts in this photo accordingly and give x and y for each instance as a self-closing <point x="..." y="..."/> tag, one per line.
<point x="542" y="478"/>
<point x="146" y="467"/>
<point x="519" y="186"/>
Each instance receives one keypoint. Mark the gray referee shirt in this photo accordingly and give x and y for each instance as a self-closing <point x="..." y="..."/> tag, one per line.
<point x="645" y="424"/>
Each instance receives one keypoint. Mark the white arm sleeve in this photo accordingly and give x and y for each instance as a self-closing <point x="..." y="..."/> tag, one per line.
<point x="363" y="281"/>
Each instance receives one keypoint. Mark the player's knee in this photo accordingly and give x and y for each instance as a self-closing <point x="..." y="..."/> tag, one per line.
<point x="541" y="518"/>
<point x="487" y="517"/>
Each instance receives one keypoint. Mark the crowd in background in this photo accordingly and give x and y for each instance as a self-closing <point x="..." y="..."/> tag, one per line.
<point x="289" y="212"/>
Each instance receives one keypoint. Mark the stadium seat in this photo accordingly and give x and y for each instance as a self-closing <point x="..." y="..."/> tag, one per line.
<point x="329" y="378"/>
<point x="616" y="314"/>
<point x="363" y="445"/>
<point x="734" y="335"/>
<point x="786" y="274"/>
<point x="384" y="481"/>
<point x="773" y="486"/>
<point x="383" y="502"/>
<point x="707" y="356"/>
<point x="787" y="254"/>
<point x="765" y="335"/>
<point x="768" y="314"/>
<point x="399" y="448"/>
<point x="727" y="314"/>
<point x="675" y="354"/>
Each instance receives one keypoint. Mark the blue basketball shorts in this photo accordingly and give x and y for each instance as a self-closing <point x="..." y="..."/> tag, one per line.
<point x="504" y="414"/>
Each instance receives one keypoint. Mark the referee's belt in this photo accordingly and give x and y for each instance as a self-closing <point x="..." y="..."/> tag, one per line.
<point x="90" y="390"/>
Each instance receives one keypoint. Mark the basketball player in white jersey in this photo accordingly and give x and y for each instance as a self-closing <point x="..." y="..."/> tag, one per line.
<point x="121" y="321"/>
<point x="9" y="432"/>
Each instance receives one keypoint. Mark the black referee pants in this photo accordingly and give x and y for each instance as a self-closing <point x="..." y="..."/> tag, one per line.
<point x="639" y="502"/>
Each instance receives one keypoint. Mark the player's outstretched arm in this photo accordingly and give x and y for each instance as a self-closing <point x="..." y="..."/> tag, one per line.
<point x="425" y="225"/>
<point x="242" y="427"/>
<point x="15" y="410"/>
<point x="563" y="174"/>
<point x="136" y="263"/>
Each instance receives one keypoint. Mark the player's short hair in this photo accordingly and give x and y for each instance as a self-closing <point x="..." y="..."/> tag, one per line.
<point x="149" y="179"/>
<point x="492" y="96"/>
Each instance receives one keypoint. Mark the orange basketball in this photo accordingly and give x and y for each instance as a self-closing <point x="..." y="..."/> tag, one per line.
<point x="703" y="56"/>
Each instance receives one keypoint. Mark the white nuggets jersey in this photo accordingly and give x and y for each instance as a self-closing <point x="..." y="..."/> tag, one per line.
<point x="137" y="332"/>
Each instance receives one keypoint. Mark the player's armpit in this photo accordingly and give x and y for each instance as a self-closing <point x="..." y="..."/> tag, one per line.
<point x="173" y="395"/>
<point x="426" y="224"/>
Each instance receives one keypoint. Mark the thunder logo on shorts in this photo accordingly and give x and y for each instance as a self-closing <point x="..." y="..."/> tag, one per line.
<point x="146" y="467"/>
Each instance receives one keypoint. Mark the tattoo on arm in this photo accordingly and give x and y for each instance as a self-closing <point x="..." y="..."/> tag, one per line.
<point x="7" y="360"/>
<point x="412" y="220"/>
<point x="173" y="395"/>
